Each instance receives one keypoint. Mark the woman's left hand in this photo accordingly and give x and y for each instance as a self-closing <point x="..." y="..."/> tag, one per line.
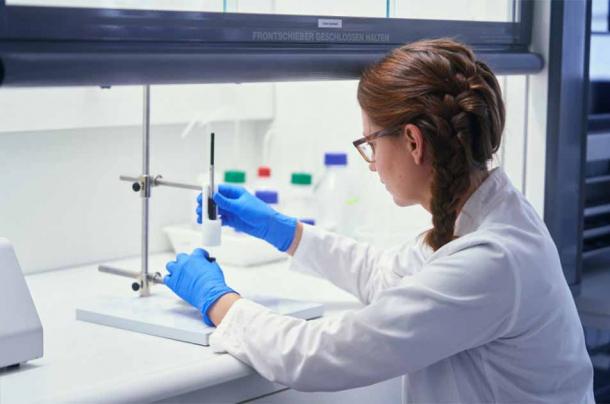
<point x="198" y="279"/>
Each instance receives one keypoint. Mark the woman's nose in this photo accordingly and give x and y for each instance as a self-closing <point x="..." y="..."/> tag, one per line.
<point x="372" y="167"/>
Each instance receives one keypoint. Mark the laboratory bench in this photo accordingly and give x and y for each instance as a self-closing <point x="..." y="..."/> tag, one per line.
<point x="86" y="362"/>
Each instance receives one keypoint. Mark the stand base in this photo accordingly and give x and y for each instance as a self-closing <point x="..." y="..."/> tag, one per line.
<point x="165" y="316"/>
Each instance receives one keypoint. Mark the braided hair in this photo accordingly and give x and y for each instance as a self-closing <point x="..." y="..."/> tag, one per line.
<point x="455" y="101"/>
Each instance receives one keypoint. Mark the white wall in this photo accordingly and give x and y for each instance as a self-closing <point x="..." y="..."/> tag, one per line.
<point x="599" y="17"/>
<point x="600" y="58"/>
<point x="467" y="10"/>
<point x="62" y="202"/>
<point x="537" y="96"/>
<point x="91" y="107"/>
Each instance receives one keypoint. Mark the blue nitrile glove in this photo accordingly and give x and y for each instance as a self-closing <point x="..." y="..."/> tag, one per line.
<point x="198" y="279"/>
<point x="245" y="212"/>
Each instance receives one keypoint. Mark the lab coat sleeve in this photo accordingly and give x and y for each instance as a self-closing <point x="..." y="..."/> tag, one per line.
<point x="455" y="303"/>
<point x="357" y="268"/>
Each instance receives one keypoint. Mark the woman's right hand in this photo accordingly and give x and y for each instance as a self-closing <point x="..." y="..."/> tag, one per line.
<point x="244" y="212"/>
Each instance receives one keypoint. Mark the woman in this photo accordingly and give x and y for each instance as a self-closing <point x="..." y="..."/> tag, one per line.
<point x="475" y="310"/>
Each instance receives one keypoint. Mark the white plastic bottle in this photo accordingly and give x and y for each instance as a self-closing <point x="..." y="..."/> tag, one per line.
<point x="333" y="194"/>
<point x="300" y="201"/>
<point x="269" y="196"/>
<point x="264" y="181"/>
<point x="236" y="177"/>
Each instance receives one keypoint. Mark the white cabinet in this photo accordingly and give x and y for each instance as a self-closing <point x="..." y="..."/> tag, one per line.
<point x="389" y="391"/>
<point x="255" y="389"/>
<point x="42" y="109"/>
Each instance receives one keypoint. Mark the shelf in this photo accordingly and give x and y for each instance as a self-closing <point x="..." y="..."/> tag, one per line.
<point x="593" y="301"/>
<point x="595" y="253"/>
<point x="599" y="122"/>
<point x="597" y="248"/>
<point x="597" y="209"/>
<point x="596" y="232"/>
<point x="598" y="146"/>
<point x="597" y="179"/>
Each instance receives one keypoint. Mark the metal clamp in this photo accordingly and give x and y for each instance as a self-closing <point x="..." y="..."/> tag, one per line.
<point x="145" y="186"/>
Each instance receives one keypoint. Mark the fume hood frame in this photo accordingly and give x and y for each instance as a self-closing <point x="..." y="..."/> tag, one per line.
<point x="61" y="46"/>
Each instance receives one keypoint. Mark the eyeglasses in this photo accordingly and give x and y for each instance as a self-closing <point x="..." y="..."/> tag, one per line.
<point x="367" y="149"/>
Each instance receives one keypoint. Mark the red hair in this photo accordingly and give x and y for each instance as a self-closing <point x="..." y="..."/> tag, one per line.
<point x="455" y="101"/>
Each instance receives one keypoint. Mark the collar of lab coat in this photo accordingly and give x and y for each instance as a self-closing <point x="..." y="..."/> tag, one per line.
<point x="481" y="202"/>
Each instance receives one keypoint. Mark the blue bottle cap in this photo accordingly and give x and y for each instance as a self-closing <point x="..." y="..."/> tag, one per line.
<point x="335" y="159"/>
<point x="267" y="196"/>
<point x="308" y="221"/>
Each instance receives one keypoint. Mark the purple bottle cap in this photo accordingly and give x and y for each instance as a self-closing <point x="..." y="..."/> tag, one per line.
<point x="335" y="159"/>
<point x="267" y="196"/>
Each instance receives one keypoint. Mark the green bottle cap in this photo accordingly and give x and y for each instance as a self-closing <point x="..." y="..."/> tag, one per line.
<point x="235" y="177"/>
<point x="300" y="179"/>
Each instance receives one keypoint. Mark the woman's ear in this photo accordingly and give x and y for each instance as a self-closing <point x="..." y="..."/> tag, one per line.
<point x="415" y="143"/>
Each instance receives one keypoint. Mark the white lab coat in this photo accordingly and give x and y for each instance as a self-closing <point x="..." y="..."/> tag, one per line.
<point x="486" y="318"/>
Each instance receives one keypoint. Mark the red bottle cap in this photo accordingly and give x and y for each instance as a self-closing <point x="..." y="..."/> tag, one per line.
<point x="264" y="171"/>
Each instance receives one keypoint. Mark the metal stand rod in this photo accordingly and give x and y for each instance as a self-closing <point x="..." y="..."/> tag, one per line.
<point x="145" y="193"/>
<point x="144" y="184"/>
